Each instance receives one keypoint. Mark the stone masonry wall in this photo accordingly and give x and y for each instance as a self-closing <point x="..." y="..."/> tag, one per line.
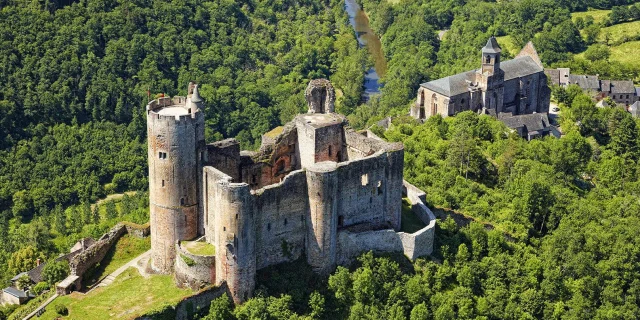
<point x="80" y="263"/>
<point x="361" y="191"/>
<point x="413" y="245"/>
<point x="193" y="271"/>
<point x="281" y="217"/>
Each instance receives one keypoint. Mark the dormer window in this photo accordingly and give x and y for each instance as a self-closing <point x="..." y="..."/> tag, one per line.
<point x="488" y="59"/>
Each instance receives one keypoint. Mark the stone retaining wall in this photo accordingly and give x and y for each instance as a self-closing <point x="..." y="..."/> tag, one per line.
<point x="80" y="263"/>
<point x="413" y="245"/>
<point x="192" y="307"/>
<point x="194" y="271"/>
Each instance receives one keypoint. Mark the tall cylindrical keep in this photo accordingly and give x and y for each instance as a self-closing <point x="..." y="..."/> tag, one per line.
<point x="174" y="130"/>
<point x="322" y="184"/>
<point x="235" y="241"/>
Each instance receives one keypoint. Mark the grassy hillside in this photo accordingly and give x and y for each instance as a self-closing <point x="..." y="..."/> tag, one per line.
<point x="598" y="15"/>
<point x="130" y="295"/>
<point x="616" y="32"/>
<point x="627" y="53"/>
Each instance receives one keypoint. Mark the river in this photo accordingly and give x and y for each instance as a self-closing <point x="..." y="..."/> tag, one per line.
<point x="366" y="37"/>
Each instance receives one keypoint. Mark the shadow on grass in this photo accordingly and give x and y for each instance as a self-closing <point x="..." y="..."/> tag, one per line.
<point x="96" y="273"/>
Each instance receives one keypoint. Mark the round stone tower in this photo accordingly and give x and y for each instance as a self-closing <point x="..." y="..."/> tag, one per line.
<point x="175" y="131"/>
<point x="322" y="184"/>
<point x="235" y="240"/>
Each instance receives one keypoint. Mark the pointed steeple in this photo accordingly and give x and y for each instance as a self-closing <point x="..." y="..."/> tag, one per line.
<point x="195" y="97"/>
<point x="492" y="46"/>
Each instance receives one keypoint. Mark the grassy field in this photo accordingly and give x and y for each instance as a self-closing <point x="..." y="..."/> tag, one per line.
<point x="409" y="222"/>
<point x="125" y="249"/>
<point x="129" y="296"/>
<point x="598" y="15"/>
<point x="627" y="53"/>
<point x="200" y="248"/>
<point x="619" y="30"/>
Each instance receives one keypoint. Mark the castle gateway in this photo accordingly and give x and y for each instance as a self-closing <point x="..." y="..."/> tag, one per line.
<point x="503" y="89"/>
<point x="315" y="189"/>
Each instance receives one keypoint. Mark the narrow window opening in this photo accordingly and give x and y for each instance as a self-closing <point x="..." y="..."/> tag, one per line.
<point x="182" y="201"/>
<point x="285" y="221"/>
<point x="160" y="155"/>
<point x="301" y="218"/>
<point x="379" y="187"/>
<point x="163" y="183"/>
<point x="253" y="179"/>
<point x="189" y="110"/>
<point x="236" y="216"/>
<point x="340" y="221"/>
<point x="224" y="228"/>
<point x="370" y="199"/>
<point x="329" y="151"/>
<point x="268" y="226"/>
<point x="365" y="179"/>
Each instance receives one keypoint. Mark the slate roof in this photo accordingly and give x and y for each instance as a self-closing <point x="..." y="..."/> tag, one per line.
<point x="459" y="83"/>
<point x="520" y="67"/>
<point x="451" y="85"/>
<point x="532" y="122"/>
<point x="625" y="86"/>
<point x="15" y="292"/>
<point x="492" y="46"/>
<point x="586" y="82"/>
<point x="18" y="276"/>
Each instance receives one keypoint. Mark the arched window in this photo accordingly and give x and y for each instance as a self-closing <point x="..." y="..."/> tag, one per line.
<point x="487" y="59"/>
<point x="434" y="104"/>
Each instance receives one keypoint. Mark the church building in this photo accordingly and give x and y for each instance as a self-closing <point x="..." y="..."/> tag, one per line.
<point x="503" y="89"/>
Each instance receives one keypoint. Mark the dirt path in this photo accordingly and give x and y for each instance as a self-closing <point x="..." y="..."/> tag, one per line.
<point x="113" y="197"/>
<point x="133" y="263"/>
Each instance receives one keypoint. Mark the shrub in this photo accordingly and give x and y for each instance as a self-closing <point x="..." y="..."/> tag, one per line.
<point x="40" y="287"/>
<point x="61" y="309"/>
<point x="55" y="271"/>
<point x="188" y="260"/>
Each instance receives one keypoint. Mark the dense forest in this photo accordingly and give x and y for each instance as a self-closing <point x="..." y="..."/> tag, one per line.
<point x="409" y="35"/>
<point x="76" y="77"/>
<point x="553" y="231"/>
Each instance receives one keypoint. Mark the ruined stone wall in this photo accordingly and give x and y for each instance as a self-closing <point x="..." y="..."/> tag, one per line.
<point x="362" y="191"/>
<point x="174" y="144"/>
<point x="138" y="230"/>
<point x="413" y="245"/>
<point x="225" y="156"/>
<point x="193" y="271"/>
<point x="359" y="146"/>
<point x="81" y="262"/>
<point x="281" y="217"/>
<point x="273" y="161"/>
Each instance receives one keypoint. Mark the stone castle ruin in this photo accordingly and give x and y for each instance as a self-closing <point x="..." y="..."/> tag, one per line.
<point x="315" y="189"/>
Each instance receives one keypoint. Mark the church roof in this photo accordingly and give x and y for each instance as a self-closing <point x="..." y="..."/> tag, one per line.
<point x="520" y="67"/>
<point x="451" y="85"/>
<point x="459" y="83"/>
<point x="492" y="46"/>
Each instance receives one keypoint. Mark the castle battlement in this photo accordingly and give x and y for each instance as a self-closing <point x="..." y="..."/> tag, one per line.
<point x="312" y="183"/>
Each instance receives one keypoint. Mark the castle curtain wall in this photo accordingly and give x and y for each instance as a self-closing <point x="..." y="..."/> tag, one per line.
<point x="281" y="220"/>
